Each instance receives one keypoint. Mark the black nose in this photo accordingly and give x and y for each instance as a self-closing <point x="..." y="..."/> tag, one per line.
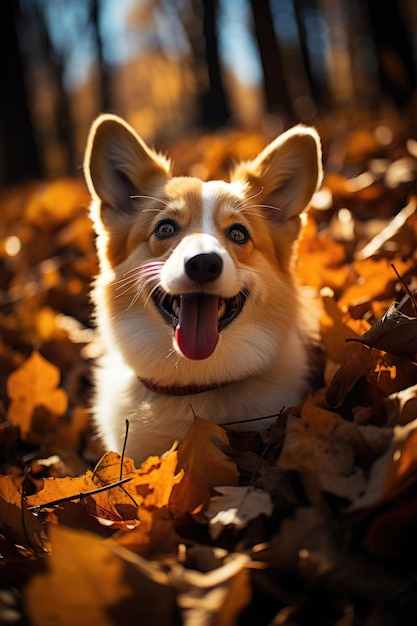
<point x="204" y="267"/>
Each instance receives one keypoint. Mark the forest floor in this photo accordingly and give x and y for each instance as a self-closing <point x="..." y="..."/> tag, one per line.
<point x="312" y="522"/>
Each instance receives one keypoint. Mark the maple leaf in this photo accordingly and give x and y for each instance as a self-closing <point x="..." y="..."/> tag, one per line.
<point x="105" y="496"/>
<point x="32" y="385"/>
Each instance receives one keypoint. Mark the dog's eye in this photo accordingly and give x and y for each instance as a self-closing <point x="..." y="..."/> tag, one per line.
<point x="166" y="229"/>
<point x="238" y="234"/>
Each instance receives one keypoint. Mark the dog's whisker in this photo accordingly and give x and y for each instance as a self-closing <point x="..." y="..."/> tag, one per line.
<point x="145" y="272"/>
<point x="255" y="195"/>
<point x="154" y="265"/>
<point x="121" y="284"/>
<point x="125" y="281"/>
<point x="151" y="291"/>
<point x="130" y="288"/>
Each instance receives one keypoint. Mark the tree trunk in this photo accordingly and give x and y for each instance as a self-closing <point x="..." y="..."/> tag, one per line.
<point x="106" y="100"/>
<point x="397" y="69"/>
<point x="276" y="95"/>
<point x="19" y="158"/>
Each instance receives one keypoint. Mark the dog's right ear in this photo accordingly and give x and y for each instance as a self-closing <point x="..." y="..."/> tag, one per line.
<point x="118" y="165"/>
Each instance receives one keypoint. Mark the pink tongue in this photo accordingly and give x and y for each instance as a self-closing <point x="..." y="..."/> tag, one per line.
<point x="197" y="331"/>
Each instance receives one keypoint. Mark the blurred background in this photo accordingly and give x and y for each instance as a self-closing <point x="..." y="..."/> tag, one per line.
<point x="176" y="69"/>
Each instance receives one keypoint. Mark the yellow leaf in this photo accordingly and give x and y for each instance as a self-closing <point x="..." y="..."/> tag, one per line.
<point x="85" y="578"/>
<point x="34" y="384"/>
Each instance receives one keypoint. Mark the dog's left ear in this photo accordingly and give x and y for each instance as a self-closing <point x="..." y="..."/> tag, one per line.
<point x="287" y="172"/>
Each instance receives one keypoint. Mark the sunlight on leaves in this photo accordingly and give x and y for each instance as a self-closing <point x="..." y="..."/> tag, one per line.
<point x="35" y="384"/>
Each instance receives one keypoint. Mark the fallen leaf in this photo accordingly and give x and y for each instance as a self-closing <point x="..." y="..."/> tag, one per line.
<point x="393" y="472"/>
<point x="307" y="545"/>
<point x="323" y="464"/>
<point x="236" y="507"/>
<point x="89" y="582"/>
<point x="372" y="278"/>
<point x="336" y="327"/>
<point x="205" y="466"/>
<point x="34" y="384"/>
<point x="373" y="246"/>
<point x="401" y="407"/>
<point x="19" y="525"/>
<point x="395" y="333"/>
<point x="323" y="448"/>
<point x="75" y="489"/>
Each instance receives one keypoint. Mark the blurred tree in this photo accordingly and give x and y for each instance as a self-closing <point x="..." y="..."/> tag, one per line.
<point x="276" y="92"/>
<point x="201" y="27"/>
<point x="106" y="100"/>
<point x="54" y="61"/>
<point x="397" y="66"/>
<point x="301" y="9"/>
<point x="19" y="158"/>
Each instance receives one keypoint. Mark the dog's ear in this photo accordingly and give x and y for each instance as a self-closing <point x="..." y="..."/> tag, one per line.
<point x="118" y="164"/>
<point x="286" y="173"/>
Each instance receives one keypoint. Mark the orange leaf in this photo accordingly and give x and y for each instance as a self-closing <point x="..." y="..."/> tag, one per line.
<point x="59" y="488"/>
<point x="337" y="326"/>
<point x="150" y="485"/>
<point x="71" y="591"/>
<point x="16" y="522"/>
<point x="34" y="384"/>
<point x="205" y="466"/>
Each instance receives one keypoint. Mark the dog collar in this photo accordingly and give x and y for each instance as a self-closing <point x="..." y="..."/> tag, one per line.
<point x="179" y="390"/>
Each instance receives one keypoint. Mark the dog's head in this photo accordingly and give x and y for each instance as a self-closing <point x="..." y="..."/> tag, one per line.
<point x="183" y="261"/>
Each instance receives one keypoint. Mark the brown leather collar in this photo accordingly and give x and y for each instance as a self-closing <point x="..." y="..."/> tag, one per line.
<point x="179" y="390"/>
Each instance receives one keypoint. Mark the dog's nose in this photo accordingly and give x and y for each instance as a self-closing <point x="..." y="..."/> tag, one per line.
<point x="204" y="267"/>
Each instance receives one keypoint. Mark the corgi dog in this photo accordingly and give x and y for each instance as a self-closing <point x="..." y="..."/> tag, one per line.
<point x="196" y="300"/>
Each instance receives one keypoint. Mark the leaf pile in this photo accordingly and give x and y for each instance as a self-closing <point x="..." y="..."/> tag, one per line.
<point x="310" y="522"/>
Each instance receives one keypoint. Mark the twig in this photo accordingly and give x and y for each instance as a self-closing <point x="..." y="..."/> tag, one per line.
<point x="129" y="495"/>
<point x="407" y="289"/>
<point x="80" y="496"/>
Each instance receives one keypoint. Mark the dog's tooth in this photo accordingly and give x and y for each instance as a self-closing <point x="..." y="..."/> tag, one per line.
<point x="222" y="308"/>
<point x="176" y="307"/>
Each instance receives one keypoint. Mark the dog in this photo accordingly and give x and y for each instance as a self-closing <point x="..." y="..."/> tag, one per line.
<point x="196" y="299"/>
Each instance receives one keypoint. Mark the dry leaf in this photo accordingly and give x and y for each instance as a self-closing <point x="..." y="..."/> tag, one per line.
<point x="149" y="486"/>
<point x="88" y="582"/>
<point x="372" y="278"/>
<point x="18" y="524"/>
<point x="323" y="448"/>
<point x="395" y="333"/>
<point x="205" y="466"/>
<point x="393" y="472"/>
<point x="401" y="407"/>
<point x="34" y="384"/>
<point x="373" y="246"/>
<point x="336" y="327"/>
<point x="236" y="507"/>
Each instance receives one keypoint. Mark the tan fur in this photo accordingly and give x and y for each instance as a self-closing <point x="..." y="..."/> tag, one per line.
<point x="260" y="361"/>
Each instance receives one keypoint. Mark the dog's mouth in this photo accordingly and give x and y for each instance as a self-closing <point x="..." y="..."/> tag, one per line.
<point x="198" y="318"/>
